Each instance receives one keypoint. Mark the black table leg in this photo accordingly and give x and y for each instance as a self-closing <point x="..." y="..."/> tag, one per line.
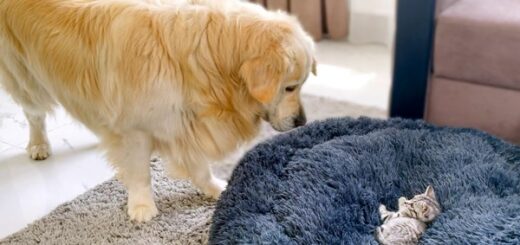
<point x="412" y="57"/>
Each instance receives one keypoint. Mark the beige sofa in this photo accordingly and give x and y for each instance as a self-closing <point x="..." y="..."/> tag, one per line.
<point x="476" y="67"/>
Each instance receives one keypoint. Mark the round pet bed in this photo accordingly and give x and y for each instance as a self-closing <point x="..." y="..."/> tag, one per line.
<point x="323" y="183"/>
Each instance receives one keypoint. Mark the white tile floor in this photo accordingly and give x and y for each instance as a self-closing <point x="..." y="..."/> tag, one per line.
<point x="357" y="73"/>
<point x="29" y="189"/>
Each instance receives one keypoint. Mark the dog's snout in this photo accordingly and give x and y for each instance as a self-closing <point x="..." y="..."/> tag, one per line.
<point x="300" y="120"/>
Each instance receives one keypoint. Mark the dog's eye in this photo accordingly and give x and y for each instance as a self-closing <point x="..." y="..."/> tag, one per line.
<point x="290" y="89"/>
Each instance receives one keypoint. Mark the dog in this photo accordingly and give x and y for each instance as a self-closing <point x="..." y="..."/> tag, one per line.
<point x="188" y="79"/>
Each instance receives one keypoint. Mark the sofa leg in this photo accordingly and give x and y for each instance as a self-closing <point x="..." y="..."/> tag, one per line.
<point x="261" y="2"/>
<point x="337" y="18"/>
<point x="309" y="14"/>
<point x="278" y="5"/>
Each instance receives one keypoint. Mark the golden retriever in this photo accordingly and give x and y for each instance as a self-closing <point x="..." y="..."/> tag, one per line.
<point x="188" y="79"/>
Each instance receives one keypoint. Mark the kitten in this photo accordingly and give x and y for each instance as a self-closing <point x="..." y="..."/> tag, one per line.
<point x="406" y="226"/>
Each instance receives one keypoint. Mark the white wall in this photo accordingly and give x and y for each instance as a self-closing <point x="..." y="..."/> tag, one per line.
<point x="372" y="21"/>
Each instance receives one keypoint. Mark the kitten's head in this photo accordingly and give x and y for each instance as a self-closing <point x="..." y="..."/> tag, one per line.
<point x="424" y="207"/>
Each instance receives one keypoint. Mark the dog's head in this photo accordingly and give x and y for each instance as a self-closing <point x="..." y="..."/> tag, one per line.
<point x="275" y="74"/>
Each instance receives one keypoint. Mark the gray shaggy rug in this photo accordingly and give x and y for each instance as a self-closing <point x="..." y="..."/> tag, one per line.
<point x="323" y="183"/>
<point x="99" y="216"/>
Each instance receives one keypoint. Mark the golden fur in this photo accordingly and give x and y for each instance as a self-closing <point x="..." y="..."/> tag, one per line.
<point x="190" y="79"/>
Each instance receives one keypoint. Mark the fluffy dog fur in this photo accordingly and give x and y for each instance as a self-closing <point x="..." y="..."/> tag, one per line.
<point x="188" y="79"/>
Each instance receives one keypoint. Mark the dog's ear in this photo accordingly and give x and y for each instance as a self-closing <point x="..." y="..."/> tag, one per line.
<point x="263" y="78"/>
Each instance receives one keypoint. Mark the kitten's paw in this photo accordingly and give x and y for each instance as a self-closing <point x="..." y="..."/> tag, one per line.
<point x="379" y="234"/>
<point x="142" y="212"/>
<point x="39" y="152"/>
<point x="401" y="201"/>
<point x="382" y="209"/>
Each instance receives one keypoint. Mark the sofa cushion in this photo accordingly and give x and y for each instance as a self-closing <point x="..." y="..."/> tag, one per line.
<point x="479" y="41"/>
<point x="443" y="5"/>
<point x="461" y="104"/>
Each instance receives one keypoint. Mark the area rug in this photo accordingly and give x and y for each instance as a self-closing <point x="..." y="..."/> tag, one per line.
<point x="99" y="216"/>
<point x="322" y="184"/>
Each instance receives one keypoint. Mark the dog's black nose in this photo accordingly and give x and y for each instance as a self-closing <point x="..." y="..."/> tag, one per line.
<point x="300" y="120"/>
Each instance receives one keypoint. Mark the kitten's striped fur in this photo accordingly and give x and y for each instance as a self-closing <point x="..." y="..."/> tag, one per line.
<point x="406" y="226"/>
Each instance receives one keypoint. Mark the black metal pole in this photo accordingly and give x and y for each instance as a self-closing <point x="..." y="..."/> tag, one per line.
<point x="412" y="57"/>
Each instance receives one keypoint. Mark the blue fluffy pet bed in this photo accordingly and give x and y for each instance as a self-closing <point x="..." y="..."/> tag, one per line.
<point x="323" y="183"/>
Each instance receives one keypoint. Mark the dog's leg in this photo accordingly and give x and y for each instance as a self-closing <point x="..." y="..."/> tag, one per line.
<point x="178" y="171"/>
<point x="173" y="164"/>
<point x="130" y="153"/>
<point x="38" y="147"/>
<point x="201" y="176"/>
<point x="35" y="102"/>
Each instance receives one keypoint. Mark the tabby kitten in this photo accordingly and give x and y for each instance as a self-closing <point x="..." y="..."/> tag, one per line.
<point x="406" y="226"/>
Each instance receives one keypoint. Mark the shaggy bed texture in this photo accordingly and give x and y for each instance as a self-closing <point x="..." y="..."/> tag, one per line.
<point x="99" y="216"/>
<point x="322" y="184"/>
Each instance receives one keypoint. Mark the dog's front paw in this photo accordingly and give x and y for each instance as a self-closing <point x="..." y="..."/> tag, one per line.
<point x="38" y="151"/>
<point x="215" y="187"/>
<point x="142" y="212"/>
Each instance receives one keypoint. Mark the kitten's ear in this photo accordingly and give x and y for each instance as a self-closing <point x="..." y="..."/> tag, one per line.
<point x="401" y="201"/>
<point x="430" y="192"/>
